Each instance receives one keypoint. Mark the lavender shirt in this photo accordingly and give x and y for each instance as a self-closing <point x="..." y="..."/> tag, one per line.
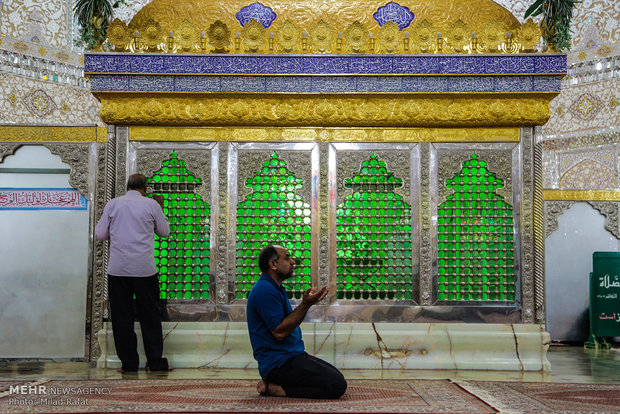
<point x="130" y="222"/>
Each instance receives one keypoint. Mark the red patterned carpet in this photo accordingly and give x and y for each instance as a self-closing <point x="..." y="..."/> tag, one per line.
<point x="546" y="397"/>
<point x="239" y="396"/>
<point x="362" y="396"/>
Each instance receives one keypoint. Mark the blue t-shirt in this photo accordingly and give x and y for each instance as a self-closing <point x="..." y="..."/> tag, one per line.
<point x="267" y="307"/>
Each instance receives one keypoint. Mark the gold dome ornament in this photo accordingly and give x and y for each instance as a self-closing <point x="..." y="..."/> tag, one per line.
<point x="150" y="35"/>
<point x="287" y="37"/>
<point x="321" y="36"/>
<point x="492" y="37"/>
<point x="186" y="36"/>
<point x="423" y="37"/>
<point x="219" y="36"/>
<point x="458" y="37"/>
<point x="356" y="36"/>
<point x="389" y="38"/>
<point x="118" y="35"/>
<point x="528" y="35"/>
<point x="253" y="35"/>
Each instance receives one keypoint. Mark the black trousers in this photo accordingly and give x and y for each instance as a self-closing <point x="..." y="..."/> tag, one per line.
<point x="122" y="289"/>
<point x="305" y="376"/>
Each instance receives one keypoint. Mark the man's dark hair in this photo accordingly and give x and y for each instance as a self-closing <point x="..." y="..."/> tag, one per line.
<point x="268" y="254"/>
<point x="136" y="182"/>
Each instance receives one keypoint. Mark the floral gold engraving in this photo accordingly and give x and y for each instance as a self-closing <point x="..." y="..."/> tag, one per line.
<point x="321" y="20"/>
<point x="581" y="195"/>
<point x="206" y="134"/>
<point x="52" y="134"/>
<point x="383" y="110"/>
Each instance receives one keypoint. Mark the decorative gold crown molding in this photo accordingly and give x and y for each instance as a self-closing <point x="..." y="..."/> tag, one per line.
<point x="141" y="133"/>
<point x="351" y="110"/>
<point x="10" y="133"/>
<point x="311" y="26"/>
<point x="581" y="195"/>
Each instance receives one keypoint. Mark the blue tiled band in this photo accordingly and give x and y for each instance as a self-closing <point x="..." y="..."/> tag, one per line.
<point x="325" y="84"/>
<point x="325" y="65"/>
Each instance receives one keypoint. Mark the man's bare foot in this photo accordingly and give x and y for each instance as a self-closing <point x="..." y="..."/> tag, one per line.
<point x="265" y="388"/>
<point x="261" y="387"/>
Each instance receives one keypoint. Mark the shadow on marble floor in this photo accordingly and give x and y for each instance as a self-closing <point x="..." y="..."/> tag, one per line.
<point x="568" y="364"/>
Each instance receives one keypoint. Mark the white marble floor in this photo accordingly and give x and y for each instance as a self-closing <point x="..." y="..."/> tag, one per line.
<point x="568" y="364"/>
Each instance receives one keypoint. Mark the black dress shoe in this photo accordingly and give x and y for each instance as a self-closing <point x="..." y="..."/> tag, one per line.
<point x="162" y="369"/>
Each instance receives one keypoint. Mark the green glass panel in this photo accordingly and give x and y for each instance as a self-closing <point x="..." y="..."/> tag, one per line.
<point x="366" y="253"/>
<point x="183" y="209"/>
<point x="483" y="226"/>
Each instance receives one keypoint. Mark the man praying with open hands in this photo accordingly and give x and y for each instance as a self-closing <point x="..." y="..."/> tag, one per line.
<point x="284" y="366"/>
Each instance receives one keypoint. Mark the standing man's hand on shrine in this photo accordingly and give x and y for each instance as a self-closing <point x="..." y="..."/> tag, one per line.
<point x="160" y="200"/>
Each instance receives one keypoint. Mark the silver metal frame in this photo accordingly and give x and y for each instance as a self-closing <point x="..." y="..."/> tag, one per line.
<point x="323" y="168"/>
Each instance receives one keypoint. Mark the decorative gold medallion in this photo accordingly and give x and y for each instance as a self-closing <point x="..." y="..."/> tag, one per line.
<point x="118" y="35"/>
<point x="287" y="37"/>
<point x="528" y="35"/>
<point x="253" y="35"/>
<point x="21" y="46"/>
<point x="186" y="35"/>
<point x="458" y="36"/>
<point x="219" y="36"/>
<point x="356" y="36"/>
<point x="423" y="37"/>
<point x="151" y="34"/>
<point x="492" y="36"/>
<point x="389" y="38"/>
<point x="604" y="51"/>
<point x="321" y="36"/>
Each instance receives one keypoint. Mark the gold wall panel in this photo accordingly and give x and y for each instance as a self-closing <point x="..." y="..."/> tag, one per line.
<point x="581" y="195"/>
<point x="53" y="134"/>
<point x="306" y="13"/>
<point x="145" y="133"/>
<point x="315" y="26"/>
<point x="294" y="110"/>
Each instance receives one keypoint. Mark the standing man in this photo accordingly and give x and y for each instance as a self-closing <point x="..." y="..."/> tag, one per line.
<point x="285" y="368"/>
<point x="130" y="223"/>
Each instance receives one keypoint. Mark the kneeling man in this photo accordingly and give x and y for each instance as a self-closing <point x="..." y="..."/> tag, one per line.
<point x="284" y="366"/>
